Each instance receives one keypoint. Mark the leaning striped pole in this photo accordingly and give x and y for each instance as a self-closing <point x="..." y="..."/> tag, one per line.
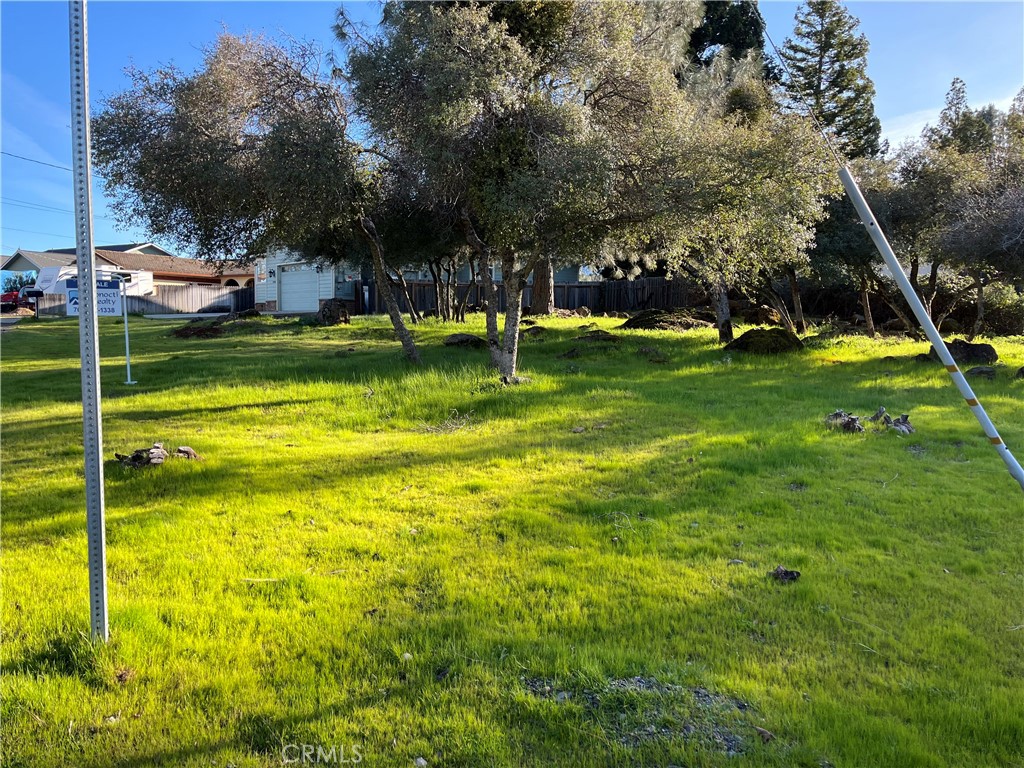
<point x="871" y="224"/>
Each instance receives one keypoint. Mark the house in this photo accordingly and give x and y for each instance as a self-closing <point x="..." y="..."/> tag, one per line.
<point x="166" y="268"/>
<point x="151" y="248"/>
<point x="35" y="261"/>
<point x="174" y="270"/>
<point x="286" y="282"/>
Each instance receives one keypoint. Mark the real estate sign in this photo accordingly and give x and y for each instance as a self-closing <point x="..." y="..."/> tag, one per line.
<point x="108" y="297"/>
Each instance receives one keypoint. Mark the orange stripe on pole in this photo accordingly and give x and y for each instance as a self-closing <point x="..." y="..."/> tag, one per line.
<point x="996" y="440"/>
<point x="973" y="402"/>
<point x="952" y="369"/>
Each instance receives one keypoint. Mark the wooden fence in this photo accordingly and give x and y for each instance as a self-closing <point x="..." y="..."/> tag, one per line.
<point x="599" y="296"/>
<point x="567" y="296"/>
<point x="171" y="299"/>
<point x="650" y="293"/>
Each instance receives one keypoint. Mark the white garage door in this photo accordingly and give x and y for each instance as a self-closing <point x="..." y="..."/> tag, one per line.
<point x="298" y="288"/>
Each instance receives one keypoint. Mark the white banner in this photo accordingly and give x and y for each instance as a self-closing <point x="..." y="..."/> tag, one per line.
<point x="108" y="297"/>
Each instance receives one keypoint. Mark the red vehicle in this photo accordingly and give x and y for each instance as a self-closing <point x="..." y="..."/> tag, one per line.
<point x="11" y="300"/>
<point x="8" y="301"/>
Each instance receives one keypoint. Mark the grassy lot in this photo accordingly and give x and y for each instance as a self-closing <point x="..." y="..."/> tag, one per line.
<point x="427" y="565"/>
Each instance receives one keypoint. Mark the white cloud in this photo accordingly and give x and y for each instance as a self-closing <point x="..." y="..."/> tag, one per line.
<point x="21" y="98"/>
<point x="20" y="142"/>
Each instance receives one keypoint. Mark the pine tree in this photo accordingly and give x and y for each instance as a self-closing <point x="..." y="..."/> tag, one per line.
<point x="827" y="61"/>
<point x="961" y="128"/>
<point x="736" y="24"/>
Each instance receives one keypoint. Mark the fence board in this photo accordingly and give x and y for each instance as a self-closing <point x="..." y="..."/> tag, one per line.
<point x="171" y="299"/>
<point x="567" y="296"/>
<point x="604" y="296"/>
<point x="650" y="293"/>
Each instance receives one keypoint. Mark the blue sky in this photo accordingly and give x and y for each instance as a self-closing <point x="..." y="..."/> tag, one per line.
<point x="916" y="50"/>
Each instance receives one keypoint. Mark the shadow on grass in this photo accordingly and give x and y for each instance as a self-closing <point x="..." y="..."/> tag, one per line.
<point x="698" y="393"/>
<point x="470" y="678"/>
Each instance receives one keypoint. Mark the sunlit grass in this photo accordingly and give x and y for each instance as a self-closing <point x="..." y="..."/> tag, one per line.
<point x="351" y="509"/>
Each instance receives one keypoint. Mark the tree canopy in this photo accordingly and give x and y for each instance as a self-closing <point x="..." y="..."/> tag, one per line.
<point x="515" y="132"/>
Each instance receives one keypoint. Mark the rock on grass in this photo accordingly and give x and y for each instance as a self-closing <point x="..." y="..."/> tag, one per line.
<point x="966" y="352"/>
<point x="766" y="341"/>
<point x="465" y="340"/>
<point x="664" y="320"/>
<point x="599" y="337"/>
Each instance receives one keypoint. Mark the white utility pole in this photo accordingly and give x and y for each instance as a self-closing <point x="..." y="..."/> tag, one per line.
<point x="88" y="333"/>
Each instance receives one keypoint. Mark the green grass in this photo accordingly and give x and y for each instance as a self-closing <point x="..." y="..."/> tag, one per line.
<point x="391" y="510"/>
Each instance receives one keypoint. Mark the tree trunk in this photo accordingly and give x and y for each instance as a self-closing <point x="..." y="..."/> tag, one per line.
<point x="915" y="271"/>
<point x="865" y="302"/>
<point x="979" y="320"/>
<point x="894" y="305"/>
<point x="491" y="307"/>
<point x="957" y="297"/>
<point x="798" y="307"/>
<point x="381" y="276"/>
<point x="414" y="314"/>
<point x="508" y="359"/>
<point x="460" y="314"/>
<point x="542" y="300"/>
<point x="933" y="287"/>
<point x="722" y="314"/>
<point x="451" y="290"/>
<point x="483" y="253"/>
<point x="435" y="276"/>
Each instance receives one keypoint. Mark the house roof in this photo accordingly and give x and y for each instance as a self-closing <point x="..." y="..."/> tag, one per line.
<point x="119" y="248"/>
<point x="171" y="265"/>
<point x="41" y="259"/>
<point x="178" y="266"/>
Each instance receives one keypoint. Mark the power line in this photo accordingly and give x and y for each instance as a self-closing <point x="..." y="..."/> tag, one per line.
<point x="16" y="200"/>
<point x="33" y="232"/>
<point x="39" y="208"/>
<point x="39" y="162"/>
<point x="48" y="209"/>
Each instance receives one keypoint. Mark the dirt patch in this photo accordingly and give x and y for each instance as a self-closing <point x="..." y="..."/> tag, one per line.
<point x="635" y="711"/>
<point x="536" y="332"/>
<point x="599" y="337"/>
<point x="465" y="340"/>
<point x="664" y="320"/>
<point x="198" y="331"/>
<point x="653" y="354"/>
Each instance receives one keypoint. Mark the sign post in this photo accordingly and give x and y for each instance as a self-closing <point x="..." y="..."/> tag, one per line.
<point x="88" y="333"/>
<point x="111" y="300"/>
<point x="127" y="347"/>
